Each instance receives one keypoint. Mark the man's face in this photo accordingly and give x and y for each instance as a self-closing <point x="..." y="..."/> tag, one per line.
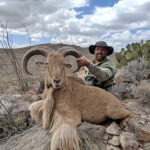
<point x="100" y="53"/>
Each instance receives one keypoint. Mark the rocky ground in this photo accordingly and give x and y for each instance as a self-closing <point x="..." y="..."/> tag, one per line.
<point x="19" y="132"/>
<point x="107" y="136"/>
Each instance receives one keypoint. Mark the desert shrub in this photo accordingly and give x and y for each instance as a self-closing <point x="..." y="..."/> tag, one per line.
<point x="129" y="77"/>
<point x="146" y="97"/>
<point x="18" y="125"/>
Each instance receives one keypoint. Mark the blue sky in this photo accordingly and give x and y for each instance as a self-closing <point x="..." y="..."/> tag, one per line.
<point x="79" y="22"/>
<point x="94" y="3"/>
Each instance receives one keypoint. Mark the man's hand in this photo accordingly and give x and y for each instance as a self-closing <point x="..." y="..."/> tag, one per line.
<point x="83" y="61"/>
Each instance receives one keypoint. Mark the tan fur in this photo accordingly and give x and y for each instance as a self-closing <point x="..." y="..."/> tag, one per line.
<point x="47" y="111"/>
<point x="70" y="103"/>
<point x="36" y="110"/>
<point x="64" y="136"/>
<point x="81" y="72"/>
<point x="31" y="92"/>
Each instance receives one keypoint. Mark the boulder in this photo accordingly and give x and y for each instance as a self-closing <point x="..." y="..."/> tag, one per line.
<point x="110" y="147"/>
<point x="113" y="129"/>
<point x="128" y="141"/>
<point x="13" y="106"/>
<point x="114" y="141"/>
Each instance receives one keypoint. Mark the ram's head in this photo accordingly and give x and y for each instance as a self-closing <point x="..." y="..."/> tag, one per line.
<point x="55" y="63"/>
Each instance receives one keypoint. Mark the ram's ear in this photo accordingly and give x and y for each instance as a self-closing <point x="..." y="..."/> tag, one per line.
<point x="68" y="65"/>
<point x="39" y="63"/>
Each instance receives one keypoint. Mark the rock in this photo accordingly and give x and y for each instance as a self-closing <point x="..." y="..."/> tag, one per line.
<point x="95" y="131"/>
<point x="35" y="139"/>
<point x="128" y="141"/>
<point x="113" y="129"/>
<point x="91" y="136"/>
<point x="114" y="141"/>
<point x="142" y="122"/>
<point x="146" y="146"/>
<point x="38" y="139"/>
<point x="106" y="136"/>
<point x="12" y="91"/>
<point x="110" y="147"/>
<point x="13" y="106"/>
<point x="14" y="115"/>
<point x="110" y="136"/>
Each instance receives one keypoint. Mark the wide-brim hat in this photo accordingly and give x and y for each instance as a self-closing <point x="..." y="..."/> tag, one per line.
<point x="101" y="44"/>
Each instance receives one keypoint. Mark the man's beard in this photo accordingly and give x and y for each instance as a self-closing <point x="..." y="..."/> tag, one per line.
<point x="100" y="58"/>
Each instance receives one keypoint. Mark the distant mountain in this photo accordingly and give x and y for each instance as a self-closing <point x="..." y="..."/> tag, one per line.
<point x="21" y="51"/>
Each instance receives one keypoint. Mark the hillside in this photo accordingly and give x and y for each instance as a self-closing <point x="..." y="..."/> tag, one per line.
<point x="4" y="60"/>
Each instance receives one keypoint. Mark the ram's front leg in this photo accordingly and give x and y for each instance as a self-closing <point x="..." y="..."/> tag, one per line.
<point x="44" y="94"/>
<point x="36" y="110"/>
<point x="47" y="108"/>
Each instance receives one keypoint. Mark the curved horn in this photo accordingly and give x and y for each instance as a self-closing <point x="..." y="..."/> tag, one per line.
<point x="65" y="51"/>
<point x="68" y="48"/>
<point x="44" y="51"/>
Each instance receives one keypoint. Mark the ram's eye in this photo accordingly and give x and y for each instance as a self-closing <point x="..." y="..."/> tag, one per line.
<point x="39" y="63"/>
<point x="68" y="65"/>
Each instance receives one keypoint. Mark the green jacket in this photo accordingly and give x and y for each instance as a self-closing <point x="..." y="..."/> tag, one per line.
<point x="102" y="74"/>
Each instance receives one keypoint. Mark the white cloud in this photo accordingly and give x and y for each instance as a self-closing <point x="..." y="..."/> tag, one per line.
<point x="2" y="3"/>
<point x="57" y="20"/>
<point x="121" y="39"/>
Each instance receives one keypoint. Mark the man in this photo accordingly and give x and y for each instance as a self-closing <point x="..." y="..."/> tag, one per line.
<point x="101" y="70"/>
